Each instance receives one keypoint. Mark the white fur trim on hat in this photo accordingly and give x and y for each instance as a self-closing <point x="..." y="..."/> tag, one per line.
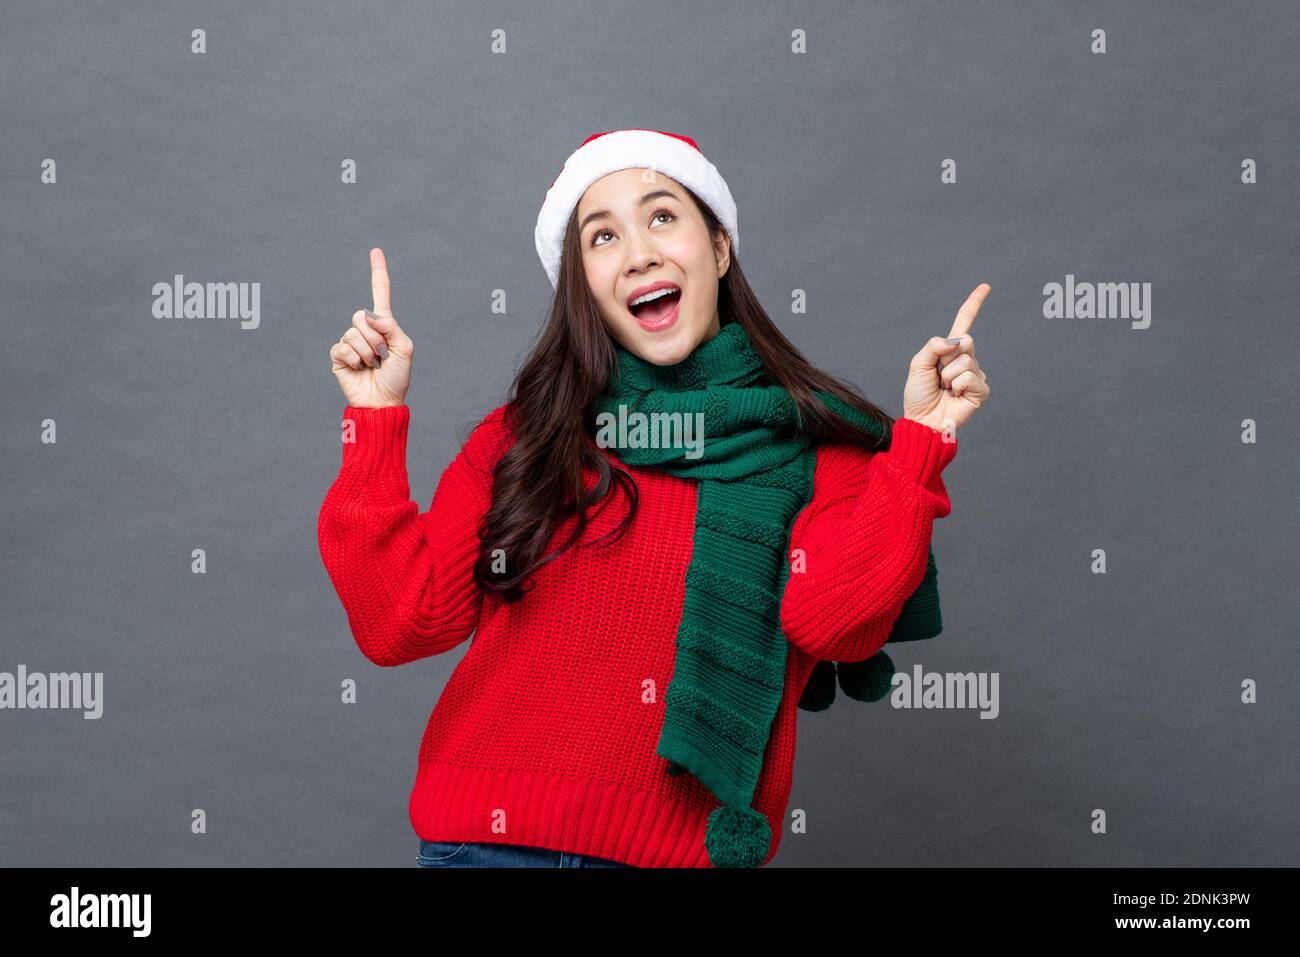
<point x="626" y="149"/>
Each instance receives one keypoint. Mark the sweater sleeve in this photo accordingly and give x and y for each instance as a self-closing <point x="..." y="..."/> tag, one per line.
<point x="866" y="540"/>
<point x="405" y="578"/>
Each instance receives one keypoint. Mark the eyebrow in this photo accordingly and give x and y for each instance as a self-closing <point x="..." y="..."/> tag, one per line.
<point x="653" y="194"/>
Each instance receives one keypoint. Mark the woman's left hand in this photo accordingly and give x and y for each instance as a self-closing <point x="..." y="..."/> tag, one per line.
<point x="945" y="384"/>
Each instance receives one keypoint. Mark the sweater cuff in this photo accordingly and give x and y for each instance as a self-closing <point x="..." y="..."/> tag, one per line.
<point x="918" y="451"/>
<point x="374" y="461"/>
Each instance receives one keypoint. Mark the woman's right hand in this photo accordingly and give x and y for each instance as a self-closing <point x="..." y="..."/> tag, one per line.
<point x="372" y="360"/>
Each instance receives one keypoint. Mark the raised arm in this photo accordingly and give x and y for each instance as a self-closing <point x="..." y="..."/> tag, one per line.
<point x="405" y="578"/>
<point x="865" y="540"/>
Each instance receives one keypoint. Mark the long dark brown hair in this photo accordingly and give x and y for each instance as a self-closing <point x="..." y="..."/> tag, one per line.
<point x="538" y="482"/>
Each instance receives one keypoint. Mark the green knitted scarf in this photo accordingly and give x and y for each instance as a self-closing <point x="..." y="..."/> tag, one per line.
<point x="754" y="474"/>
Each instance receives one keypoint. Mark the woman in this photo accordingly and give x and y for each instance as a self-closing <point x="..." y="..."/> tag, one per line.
<point x="649" y="609"/>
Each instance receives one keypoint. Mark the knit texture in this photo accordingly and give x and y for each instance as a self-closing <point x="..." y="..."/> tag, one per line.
<point x="546" y="730"/>
<point x="717" y="418"/>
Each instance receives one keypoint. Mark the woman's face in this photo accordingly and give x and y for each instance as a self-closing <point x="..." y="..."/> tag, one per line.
<point x="640" y="232"/>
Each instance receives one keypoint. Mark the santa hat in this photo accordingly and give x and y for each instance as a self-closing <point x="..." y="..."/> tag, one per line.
<point x="603" y="153"/>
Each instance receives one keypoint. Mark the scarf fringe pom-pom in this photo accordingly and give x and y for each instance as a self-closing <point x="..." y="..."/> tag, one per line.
<point x="866" y="680"/>
<point x="737" y="837"/>
<point x="819" y="690"/>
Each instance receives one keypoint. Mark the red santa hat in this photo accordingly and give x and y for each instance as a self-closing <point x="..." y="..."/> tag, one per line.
<point x="603" y="153"/>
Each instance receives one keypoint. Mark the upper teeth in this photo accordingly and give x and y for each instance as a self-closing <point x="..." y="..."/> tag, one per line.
<point x="653" y="295"/>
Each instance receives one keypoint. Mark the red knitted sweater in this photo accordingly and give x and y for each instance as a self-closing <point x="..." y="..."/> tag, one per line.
<point x="546" y="730"/>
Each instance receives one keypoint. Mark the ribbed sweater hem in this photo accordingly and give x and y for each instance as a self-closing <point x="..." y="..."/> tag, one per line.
<point x="558" y="812"/>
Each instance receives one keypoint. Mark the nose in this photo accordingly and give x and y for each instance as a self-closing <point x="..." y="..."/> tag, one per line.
<point x="641" y="253"/>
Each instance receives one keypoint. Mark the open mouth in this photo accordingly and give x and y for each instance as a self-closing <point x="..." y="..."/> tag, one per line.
<point x="656" y="306"/>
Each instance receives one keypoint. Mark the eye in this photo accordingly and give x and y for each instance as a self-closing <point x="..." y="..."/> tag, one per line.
<point x="600" y="232"/>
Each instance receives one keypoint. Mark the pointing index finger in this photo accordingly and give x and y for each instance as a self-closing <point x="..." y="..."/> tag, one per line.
<point x="379" y="287"/>
<point x="969" y="310"/>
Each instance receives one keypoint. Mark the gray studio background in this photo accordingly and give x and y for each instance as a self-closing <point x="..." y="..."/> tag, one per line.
<point x="1118" y="691"/>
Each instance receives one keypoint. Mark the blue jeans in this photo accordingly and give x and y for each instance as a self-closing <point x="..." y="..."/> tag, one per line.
<point x="486" y="854"/>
